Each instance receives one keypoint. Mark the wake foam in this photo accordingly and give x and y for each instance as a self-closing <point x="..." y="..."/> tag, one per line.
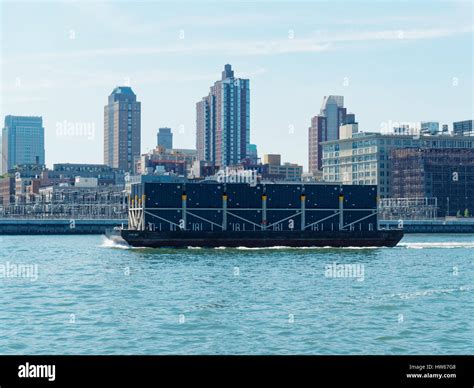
<point x="442" y="245"/>
<point x="278" y="247"/>
<point x="434" y="292"/>
<point x="108" y="243"/>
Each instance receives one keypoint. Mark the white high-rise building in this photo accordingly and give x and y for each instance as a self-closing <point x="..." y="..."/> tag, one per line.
<point x="223" y="121"/>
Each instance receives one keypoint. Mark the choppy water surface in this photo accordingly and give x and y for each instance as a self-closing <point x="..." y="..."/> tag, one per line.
<point x="90" y="296"/>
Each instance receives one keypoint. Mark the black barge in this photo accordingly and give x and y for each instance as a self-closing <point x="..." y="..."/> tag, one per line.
<point x="261" y="215"/>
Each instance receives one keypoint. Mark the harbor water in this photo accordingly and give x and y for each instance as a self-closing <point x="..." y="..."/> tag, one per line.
<point x="87" y="295"/>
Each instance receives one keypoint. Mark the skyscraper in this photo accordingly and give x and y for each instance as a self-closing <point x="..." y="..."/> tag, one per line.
<point x="204" y="135"/>
<point x="325" y="127"/>
<point x="335" y="113"/>
<point x="253" y="154"/>
<point x="122" y="129"/>
<point x="316" y="135"/>
<point x="205" y="132"/>
<point x="223" y="121"/>
<point x="2" y="157"/>
<point x="165" y="138"/>
<point x="22" y="141"/>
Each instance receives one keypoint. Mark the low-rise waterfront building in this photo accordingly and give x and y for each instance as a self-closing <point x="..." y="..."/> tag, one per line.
<point x="364" y="157"/>
<point x="277" y="171"/>
<point x="287" y="172"/>
<point x="67" y="173"/>
<point x="85" y="182"/>
<point x="177" y="161"/>
<point x="7" y="190"/>
<point x="445" y="174"/>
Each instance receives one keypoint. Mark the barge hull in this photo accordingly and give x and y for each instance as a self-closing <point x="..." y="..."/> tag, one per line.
<point x="261" y="239"/>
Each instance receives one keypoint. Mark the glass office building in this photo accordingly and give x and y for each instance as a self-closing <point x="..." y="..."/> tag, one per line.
<point x="22" y="142"/>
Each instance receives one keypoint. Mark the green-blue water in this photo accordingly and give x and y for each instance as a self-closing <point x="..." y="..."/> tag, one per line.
<point x="91" y="297"/>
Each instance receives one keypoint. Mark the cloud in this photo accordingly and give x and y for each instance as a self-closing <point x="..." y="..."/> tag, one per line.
<point x="25" y="100"/>
<point x="115" y="18"/>
<point x="259" y="47"/>
<point x="111" y="17"/>
<point x="396" y="34"/>
<point x="319" y="41"/>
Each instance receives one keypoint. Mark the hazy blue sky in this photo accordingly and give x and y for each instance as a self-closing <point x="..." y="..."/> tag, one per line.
<point x="393" y="62"/>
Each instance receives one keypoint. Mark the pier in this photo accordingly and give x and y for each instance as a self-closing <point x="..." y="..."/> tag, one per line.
<point x="32" y="226"/>
<point x="23" y="226"/>
<point x="431" y="226"/>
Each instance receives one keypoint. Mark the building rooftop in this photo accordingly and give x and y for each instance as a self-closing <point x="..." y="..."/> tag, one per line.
<point x="123" y="90"/>
<point x="363" y="135"/>
<point x="338" y="100"/>
<point x="228" y="72"/>
<point x="122" y="93"/>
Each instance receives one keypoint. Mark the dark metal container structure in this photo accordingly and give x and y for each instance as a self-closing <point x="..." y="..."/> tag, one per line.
<point x="241" y="207"/>
<point x="239" y="214"/>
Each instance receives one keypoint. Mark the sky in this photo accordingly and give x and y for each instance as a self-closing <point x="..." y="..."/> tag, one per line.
<point x="393" y="61"/>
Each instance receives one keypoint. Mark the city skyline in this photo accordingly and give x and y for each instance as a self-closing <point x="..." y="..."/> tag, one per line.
<point x="417" y="65"/>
